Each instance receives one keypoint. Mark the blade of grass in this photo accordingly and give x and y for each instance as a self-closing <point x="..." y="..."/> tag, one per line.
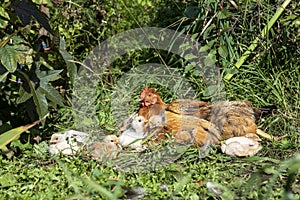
<point x="257" y="40"/>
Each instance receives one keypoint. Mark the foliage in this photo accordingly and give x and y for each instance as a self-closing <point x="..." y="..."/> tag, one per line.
<point x="28" y="51"/>
<point x="225" y="29"/>
<point x="36" y="175"/>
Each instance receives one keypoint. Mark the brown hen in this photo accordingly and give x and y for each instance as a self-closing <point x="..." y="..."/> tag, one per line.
<point x="201" y="122"/>
<point x="181" y="118"/>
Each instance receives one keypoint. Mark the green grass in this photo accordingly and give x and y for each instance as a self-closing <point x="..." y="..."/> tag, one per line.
<point x="38" y="176"/>
<point x="270" y="76"/>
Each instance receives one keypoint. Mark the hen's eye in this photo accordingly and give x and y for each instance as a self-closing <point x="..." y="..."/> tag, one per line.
<point x="111" y="141"/>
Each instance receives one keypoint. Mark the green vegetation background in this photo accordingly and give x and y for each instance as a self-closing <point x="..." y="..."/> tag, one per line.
<point x="270" y="76"/>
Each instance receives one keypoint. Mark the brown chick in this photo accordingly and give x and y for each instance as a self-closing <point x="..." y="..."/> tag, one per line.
<point x="107" y="148"/>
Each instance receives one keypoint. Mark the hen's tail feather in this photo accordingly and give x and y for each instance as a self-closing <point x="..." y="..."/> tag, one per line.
<point x="268" y="108"/>
<point x="268" y="136"/>
<point x="264" y="111"/>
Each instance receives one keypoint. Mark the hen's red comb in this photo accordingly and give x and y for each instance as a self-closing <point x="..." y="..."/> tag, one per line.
<point x="146" y="89"/>
<point x="143" y="93"/>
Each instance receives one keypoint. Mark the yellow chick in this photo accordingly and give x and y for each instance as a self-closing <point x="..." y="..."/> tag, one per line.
<point x="107" y="148"/>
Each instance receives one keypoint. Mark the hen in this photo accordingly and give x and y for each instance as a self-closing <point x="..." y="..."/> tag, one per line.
<point x="200" y="121"/>
<point x="184" y="121"/>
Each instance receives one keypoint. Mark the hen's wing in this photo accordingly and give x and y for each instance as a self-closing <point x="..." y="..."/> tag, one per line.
<point x="191" y="129"/>
<point x="189" y="107"/>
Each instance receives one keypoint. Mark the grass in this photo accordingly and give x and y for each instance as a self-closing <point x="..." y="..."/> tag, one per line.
<point x="270" y="76"/>
<point x="36" y="176"/>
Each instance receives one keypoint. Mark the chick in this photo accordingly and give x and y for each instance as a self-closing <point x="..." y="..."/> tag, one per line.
<point x="157" y="120"/>
<point x="67" y="143"/>
<point x="243" y="146"/>
<point x="107" y="148"/>
<point x="127" y="122"/>
<point x="132" y="136"/>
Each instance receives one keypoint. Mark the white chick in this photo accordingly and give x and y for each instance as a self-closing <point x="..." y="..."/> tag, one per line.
<point x="80" y="137"/>
<point x="127" y="122"/>
<point x="67" y="143"/>
<point x="244" y="146"/>
<point x="107" y="148"/>
<point x="132" y="137"/>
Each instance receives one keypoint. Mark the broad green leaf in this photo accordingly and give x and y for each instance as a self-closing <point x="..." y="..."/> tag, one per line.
<point x="190" y="56"/>
<point x="223" y="51"/>
<point x="12" y="134"/>
<point x="3" y="76"/>
<point x="210" y="60"/>
<point x="3" y="13"/>
<point x="40" y="102"/>
<point x="9" y="58"/>
<point x="71" y="67"/>
<point x="51" y="93"/>
<point x="3" y="23"/>
<point x="188" y="68"/>
<point x="50" y="75"/>
<point x="23" y="96"/>
<point x="42" y="60"/>
<point x="39" y="99"/>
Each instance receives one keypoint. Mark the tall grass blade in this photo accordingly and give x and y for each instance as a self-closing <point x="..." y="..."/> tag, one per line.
<point x="263" y="34"/>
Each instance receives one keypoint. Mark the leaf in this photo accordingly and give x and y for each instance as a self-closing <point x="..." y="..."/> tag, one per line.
<point x="51" y="94"/>
<point x="3" y="76"/>
<point x="40" y="101"/>
<point x="224" y="14"/>
<point x="45" y="2"/>
<point x="71" y="67"/>
<point x="188" y="68"/>
<point x="3" y="24"/>
<point x="210" y="59"/>
<point x="191" y="11"/>
<point x="223" y="51"/>
<point x="4" y="14"/>
<point x="50" y="75"/>
<point x="26" y="9"/>
<point x="9" y="58"/>
<point x="23" y="96"/>
<point x="12" y="134"/>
